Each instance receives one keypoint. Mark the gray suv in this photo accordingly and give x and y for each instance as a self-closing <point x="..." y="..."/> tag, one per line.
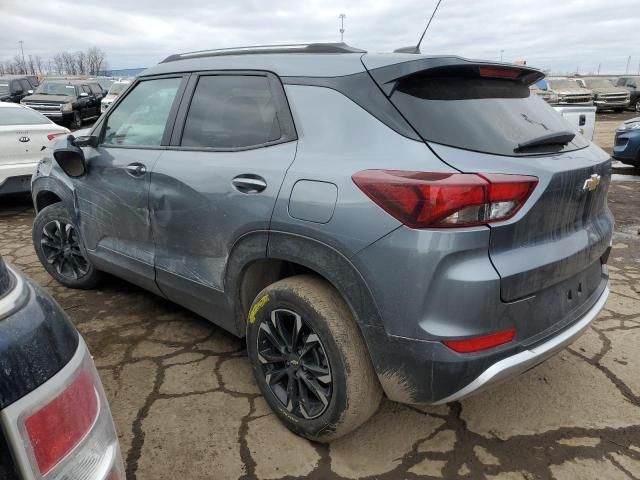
<point x="414" y="225"/>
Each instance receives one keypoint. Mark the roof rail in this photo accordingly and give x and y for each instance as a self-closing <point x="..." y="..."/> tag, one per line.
<point x="258" y="49"/>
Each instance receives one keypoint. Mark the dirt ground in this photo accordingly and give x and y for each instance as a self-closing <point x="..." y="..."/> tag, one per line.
<point x="186" y="405"/>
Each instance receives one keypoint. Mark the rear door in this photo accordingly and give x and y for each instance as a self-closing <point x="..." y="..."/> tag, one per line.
<point x="231" y="147"/>
<point x="483" y="118"/>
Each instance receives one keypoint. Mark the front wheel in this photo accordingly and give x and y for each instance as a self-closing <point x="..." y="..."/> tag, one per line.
<point x="76" y="121"/>
<point x="637" y="106"/>
<point x="57" y="243"/>
<point x="310" y="360"/>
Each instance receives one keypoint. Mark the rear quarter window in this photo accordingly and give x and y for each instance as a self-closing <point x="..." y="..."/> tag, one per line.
<point x="480" y="114"/>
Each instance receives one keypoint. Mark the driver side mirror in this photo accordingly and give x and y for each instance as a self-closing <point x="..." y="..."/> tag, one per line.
<point x="84" y="94"/>
<point x="71" y="158"/>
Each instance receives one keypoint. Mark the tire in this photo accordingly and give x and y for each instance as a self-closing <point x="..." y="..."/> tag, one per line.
<point x="637" y="106"/>
<point x="76" y="121"/>
<point x="59" y="247"/>
<point x="351" y="389"/>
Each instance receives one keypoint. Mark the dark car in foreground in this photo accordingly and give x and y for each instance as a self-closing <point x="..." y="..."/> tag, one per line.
<point x="55" y="421"/>
<point x="414" y="225"/>
<point x="68" y="102"/>
<point x="626" y="146"/>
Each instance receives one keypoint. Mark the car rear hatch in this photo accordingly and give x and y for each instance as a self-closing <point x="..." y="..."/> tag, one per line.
<point x="482" y="118"/>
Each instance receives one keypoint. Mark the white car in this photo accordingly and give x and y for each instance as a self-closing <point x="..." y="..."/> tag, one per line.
<point x="24" y="134"/>
<point x="114" y="91"/>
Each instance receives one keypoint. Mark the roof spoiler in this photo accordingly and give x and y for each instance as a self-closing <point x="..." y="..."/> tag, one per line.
<point x="387" y="77"/>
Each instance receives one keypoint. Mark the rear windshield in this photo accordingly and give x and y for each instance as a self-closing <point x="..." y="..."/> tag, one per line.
<point x="21" y="116"/>
<point x="481" y="114"/>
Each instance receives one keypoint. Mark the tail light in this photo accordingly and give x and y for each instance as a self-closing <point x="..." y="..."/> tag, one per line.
<point x="478" y="344"/>
<point x="53" y="136"/>
<point x="500" y="72"/>
<point x="445" y="200"/>
<point x="64" y="429"/>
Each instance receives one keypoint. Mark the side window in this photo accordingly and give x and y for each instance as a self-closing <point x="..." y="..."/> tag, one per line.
<point x="26" y="86"/>
<point x="95" y="89"/>
<point x="15" y="85"/>
<point x="86" y="89"/>
<point x="141" y="117"/>
<point x="231" y="111"/>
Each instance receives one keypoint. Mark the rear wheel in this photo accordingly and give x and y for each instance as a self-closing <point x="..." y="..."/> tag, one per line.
<point x="310" y="360"/>
<point x="58" y="245"/>
<point x="637" y="106"/>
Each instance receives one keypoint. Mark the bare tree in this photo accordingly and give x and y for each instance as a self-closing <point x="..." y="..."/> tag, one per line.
<point x="69" y="60"/>
<point x="96" y="59"/>
<point x="81" y="62"/>
<point x="31" y="66"/>
<point x="38" y="64"/>
<point x="58" y="61"/>
<point x="18" y="65"/>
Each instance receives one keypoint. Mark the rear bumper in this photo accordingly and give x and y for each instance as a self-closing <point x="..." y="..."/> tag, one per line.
<point x="16" y="178"/>
<point x="527" y="359"/>
<point x="418" y="371"/>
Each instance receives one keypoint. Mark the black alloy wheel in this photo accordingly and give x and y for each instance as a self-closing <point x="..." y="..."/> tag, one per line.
<point x="294" y="364"/>
<point x="61" y="247"/>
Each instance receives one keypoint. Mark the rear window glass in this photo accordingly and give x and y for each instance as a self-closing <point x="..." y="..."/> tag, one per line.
<point x="21" y="116"/>
<point x="481" y="114"/>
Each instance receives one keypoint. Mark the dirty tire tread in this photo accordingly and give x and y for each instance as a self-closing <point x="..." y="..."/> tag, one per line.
<point x="57" y="211"/>
<point x="363" y="390"/>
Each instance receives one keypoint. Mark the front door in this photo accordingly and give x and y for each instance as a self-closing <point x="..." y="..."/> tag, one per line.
<point x="113" y="198"/>
<point x="217" y="182"/>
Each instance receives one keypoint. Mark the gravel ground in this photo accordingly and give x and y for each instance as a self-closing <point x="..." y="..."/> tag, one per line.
<point x="186" y="405"/>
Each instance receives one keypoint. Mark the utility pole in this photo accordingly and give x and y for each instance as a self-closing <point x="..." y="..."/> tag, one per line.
<point x="599" y="65"/>
<point x="342" y="16"/>
<point x="628" y="62"/>
<point x="501" y="54"/>
<point x="24" y="65"/>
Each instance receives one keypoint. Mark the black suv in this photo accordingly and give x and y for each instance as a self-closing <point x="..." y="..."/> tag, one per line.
<point x="70" y="102"/>
<point x="633" y="85"/>
<point x="13" y="89"/>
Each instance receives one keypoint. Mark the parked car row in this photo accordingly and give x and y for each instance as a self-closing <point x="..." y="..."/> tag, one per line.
<point x="598" y="91"/>
<point x="14" y="88"/>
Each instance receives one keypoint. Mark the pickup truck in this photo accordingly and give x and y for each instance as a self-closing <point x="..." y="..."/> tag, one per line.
<point x="582" y="118"/>
<point x="68" y="102"/>
<point x="55" y="421"/>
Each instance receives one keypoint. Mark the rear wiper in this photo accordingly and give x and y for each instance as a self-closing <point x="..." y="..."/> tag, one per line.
<point x="556" y="138"/>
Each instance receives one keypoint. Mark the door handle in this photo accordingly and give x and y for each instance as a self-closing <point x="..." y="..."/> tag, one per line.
<point x="249" y="183"/>
<point x="136" y="169"/>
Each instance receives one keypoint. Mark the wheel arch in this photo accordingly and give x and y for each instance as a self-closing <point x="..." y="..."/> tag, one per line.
<point x="47" y="191"/>
<point x="262" y="258"/>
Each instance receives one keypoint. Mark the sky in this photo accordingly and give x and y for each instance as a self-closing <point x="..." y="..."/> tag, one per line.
<point x="558" y="35"/>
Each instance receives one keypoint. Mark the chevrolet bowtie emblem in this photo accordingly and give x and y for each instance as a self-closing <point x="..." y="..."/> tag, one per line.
<point x="591" y="183"/>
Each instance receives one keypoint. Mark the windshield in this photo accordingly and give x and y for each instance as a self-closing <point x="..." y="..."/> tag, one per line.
<point x="4" y="86"/>
<point x="118" y="88"/>
<point x="598" y="83"/>
<point x="21" y="116"/>
<point x="480" y="114"/>
<point x="563" y="83"/>
<point x="51" y="88"/>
